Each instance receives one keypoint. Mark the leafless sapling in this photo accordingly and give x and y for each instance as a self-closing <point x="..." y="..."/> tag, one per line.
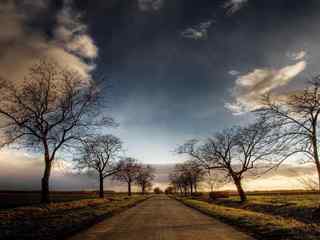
<point x="128" y="171"/>
<point x="237" y="151"/>
<point x="100" y="154"/>
<point x="145" y="177"/>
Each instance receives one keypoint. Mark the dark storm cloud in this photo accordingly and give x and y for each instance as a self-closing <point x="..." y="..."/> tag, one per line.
<point x="183" y="83"/>
<point x="167" y="88"/>
<point x="179" y="86"/>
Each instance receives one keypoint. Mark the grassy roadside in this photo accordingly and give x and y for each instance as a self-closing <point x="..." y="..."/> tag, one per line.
<point x="60" y="220"/>
<point x="259" y="225"/>
<point x="304" y="208"/>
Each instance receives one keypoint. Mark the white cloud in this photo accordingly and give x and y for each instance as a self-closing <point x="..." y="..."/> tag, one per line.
<point x="234" y="6"/>
<point x="73" y="34"/>
<point x="150" y="5"/>
<point x="249" y="88"/>
<point x="198" y="32"/>
<point x="21" y="47"/>
<point x="234" y="72"/>
<point x="296" y="56"/>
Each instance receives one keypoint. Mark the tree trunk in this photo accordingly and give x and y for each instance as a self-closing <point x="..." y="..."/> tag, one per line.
<point x="143" y="189"/>
<point x="241" y="192"/>
<point x="315" y="152"/>
<point x="318" y="170"/>
<point x="129" y="188"/>
<point x="101" y="189"/>
<point x="45" y="197"/>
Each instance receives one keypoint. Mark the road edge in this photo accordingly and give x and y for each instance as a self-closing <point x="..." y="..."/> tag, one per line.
<point x="86" y="225"/>
<point x="222" y="220"/>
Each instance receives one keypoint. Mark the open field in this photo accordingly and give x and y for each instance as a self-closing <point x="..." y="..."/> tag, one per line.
<point x="302" y="206"/>
<point x="60" y="219"/>
<point x="279" y="215"/>
<point x="9" y="199"/>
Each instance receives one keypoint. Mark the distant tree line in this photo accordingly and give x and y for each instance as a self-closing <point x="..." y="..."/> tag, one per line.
<point x="186" y="177"/>
<point x="132" y="172"/>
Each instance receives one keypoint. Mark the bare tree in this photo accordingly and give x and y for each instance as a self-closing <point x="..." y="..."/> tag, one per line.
<point x="174" y="182"/>
<point x="215" y="180"/>
<point x="308" y="181"/>
<point x="157" y="190"/>
<point x="255" y="150"/>
<point x="128" y="171"/>
<point x="195" y="174"/>
<point x="187" y="176"/>
<point x="236" y="151"/>
<point x="193" y="149"/>
<point x="221" y="149"/>
<point x="47" y="111"/>
<point x="296" y="119"/>
<point x="100" y="154"/>
<point x="179" y="181"/>
<point x="145" y="177"/>
<point x="169" y="190"/>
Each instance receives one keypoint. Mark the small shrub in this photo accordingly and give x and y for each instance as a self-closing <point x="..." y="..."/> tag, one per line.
<point x="157" y="190"/>
<point x="216" y="195"/>
<point x="316" y="214"/>
<point x="197" y="194"/>
<point x="169" y="190"/>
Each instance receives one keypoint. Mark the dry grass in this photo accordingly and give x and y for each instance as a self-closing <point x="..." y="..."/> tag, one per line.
<point x="10" y="199"/>
<point x="297" y="206"/>
<point x="58" y="220"/>
<point x="260" y="225"/>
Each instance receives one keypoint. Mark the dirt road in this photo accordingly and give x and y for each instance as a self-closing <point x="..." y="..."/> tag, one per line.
<point x="161" y="218"/>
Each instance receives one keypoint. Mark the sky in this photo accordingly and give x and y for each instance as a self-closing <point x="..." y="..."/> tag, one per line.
<point x="175" y="69"/>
